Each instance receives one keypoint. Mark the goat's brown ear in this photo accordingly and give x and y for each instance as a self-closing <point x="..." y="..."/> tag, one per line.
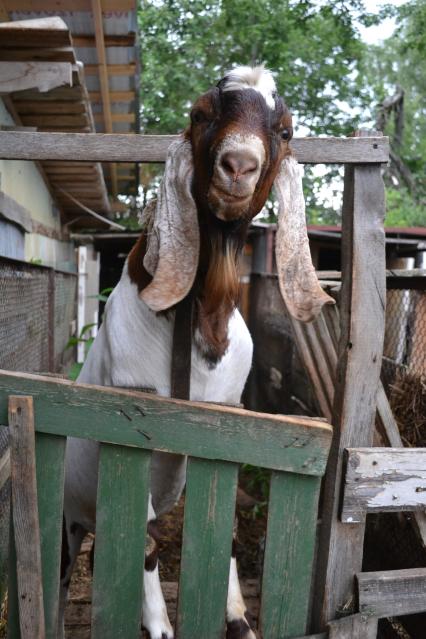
<point x="173" y="233"/>
<point x="298" y="282"/>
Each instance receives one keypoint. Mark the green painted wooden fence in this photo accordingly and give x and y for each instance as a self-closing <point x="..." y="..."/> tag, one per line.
<point x="217" y="439"/>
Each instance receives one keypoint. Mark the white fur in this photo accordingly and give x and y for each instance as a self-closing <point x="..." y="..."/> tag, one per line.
<point x="133" y="349"/>
<point x="257" y="78"/>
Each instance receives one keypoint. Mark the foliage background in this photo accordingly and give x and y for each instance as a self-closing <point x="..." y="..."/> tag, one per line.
<point x="332" y="81"/>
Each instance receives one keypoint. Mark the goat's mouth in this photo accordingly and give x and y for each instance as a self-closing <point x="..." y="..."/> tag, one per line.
<point x="228" y="206"/>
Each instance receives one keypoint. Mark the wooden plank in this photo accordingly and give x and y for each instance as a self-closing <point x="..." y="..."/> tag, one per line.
<point x="289" y="553"/>
<point x="382" y="480"/>
<point x="15" y="212"/>
<point x="115" y="96"/>
<point x="353" y="627"/>
<point x="38" y="6"/>
<point x="25" y="517"/>
<point x="13" y="629"/>
<point x="103" y="73"/>
<point x="206" y="548"/>
<point x="360" y="356"/>
<point x="4" y="467"/>
<point x="121" y="147"/>
<point x="73" y="120"/>
<point x="110" y="40"/>
<point x="392" y="593"/>
<point x="117" y="117"/>
<point x="50" y="456"/>
<point x="26" y="107"/>
<point x="292" y="443"/>
<point x="44" y="76"/>
<point x="57" y="54"/>
<point x="51" y="31"/>
<point x="61" y="93"/>
<point x="113" y="69"/>
<point x="121" y="513"/>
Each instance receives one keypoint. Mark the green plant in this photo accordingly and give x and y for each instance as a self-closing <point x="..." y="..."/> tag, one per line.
<point x="75" y="369"/>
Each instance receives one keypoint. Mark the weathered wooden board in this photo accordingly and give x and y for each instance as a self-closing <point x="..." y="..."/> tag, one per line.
<point x="50" y="457"/>
<point x="25" y="518"/>
<point x="18" y="76"/>
<point x="291" y="443"/>
<point x="121" y="513"/>
<point x="392" y="593"/>
<point x="362" y="318"/>
<point x="51" y="31"/>
<point x="153" y="148"/>
<point x="15" y="212"/>
<point x="353" y="627"/>
<point x="206" y="548"/>
<point x="383" y="479"/>
<point x="4" y="468"/>
<point x="289" y="553"/>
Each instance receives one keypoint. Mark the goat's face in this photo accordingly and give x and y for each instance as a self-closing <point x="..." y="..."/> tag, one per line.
<point x="239" y="134"/>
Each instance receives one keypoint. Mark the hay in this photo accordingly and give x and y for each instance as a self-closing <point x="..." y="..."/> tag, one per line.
<point x="408" y="403"/>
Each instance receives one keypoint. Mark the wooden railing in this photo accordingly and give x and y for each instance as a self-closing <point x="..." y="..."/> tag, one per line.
<point x="130" y="425"/>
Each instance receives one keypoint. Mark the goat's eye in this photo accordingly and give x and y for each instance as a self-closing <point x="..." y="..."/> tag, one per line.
<point x="285" y="134"/>
<point x="198" y="116"/>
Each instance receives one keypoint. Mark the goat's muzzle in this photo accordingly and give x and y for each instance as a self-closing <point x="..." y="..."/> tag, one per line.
<point x="238" y="164"/>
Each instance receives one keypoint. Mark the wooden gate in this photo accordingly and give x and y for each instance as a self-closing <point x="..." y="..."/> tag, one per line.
<point x="130" y="425"/>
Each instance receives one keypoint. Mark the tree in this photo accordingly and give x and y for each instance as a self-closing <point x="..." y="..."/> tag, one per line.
<point x="395" y="86"/>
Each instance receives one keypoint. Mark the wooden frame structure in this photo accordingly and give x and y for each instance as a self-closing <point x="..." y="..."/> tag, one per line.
<point x="362" y="314"/>
<point x="130" y="425"/>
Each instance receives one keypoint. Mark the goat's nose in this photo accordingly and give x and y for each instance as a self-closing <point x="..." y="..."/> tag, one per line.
<point x="238" y="164"/>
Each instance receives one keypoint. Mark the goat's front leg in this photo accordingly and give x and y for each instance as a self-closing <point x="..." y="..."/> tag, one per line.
<point x="154" y="611"/>
<point x="238" y="619"/>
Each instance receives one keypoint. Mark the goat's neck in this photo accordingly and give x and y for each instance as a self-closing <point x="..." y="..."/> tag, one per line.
<point x="217" y="287"/>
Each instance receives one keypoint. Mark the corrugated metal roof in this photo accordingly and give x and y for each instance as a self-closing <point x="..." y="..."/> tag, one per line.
<point x="119" y="25"/>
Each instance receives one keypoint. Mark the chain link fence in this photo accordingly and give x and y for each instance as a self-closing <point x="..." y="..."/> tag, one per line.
<point x="37" y="308"/>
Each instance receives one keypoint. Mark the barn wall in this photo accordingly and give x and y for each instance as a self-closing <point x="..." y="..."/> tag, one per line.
<point x="23" y="182"/>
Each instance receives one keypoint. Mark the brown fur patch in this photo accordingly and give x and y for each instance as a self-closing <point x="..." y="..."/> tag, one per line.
<point x="137" y="272"/>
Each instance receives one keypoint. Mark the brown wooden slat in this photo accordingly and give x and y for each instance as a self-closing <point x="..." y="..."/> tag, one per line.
<point x="153" y="148"/>
<point x="25" y="517"/>
<point x="393" y="592"/>
<point x="113" y="69"/>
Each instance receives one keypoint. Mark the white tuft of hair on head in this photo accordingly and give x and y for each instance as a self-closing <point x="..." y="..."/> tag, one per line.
<point x="257" y="78"/>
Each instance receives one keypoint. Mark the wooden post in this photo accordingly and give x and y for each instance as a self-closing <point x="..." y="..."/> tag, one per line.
<point x="25" y="517"/>
<point x="362" y="316"/>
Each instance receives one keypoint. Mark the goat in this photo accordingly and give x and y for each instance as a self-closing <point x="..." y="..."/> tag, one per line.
<point x="217" y="177"/>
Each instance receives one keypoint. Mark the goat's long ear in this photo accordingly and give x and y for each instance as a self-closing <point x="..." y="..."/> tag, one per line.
<point x="173" y="235"/>
<point x="298" y="282"/>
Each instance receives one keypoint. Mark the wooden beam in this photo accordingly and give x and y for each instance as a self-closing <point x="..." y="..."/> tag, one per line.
<point x="153" y="148"/>
<point x="58" y="54"/>
<point x="113" y="69"/>
<point x="65" y="107"/>
<point x="15" y="212"/>
<point x="4" y="15"/>
<point x="104" y="82"/>
<point x="117" y="117"/>
<point x="115" y="96"/>
<point x="39" y="6"/>
<point x="126" y="40"/>
<point x="392" y="593"/>
<point x="25" y="517"/>
<point x="55" y="95"/>
<point x="340" y="547"/>
<point x="44" y="76"/>
<point x="382" y="480"/>
<point x="51" y="31"/>
<point x="353" y="627"/>
<point x="77" y="120"/>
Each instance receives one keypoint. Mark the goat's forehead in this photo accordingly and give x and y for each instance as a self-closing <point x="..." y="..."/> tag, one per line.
<point x="257" y="78"/>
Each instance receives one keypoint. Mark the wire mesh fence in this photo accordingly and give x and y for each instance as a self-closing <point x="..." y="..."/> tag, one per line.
<point x="37" y="306"/>
<point x="405" y="335"/>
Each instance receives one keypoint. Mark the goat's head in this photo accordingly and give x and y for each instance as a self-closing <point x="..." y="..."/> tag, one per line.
<point x="239" y="134"/>
<point x="217" y="178"/>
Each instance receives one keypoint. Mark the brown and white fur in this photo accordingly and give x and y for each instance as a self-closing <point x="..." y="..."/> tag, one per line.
<point x="217" y="178"/>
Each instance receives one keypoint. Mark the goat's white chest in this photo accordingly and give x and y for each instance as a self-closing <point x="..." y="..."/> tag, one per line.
<point x="134" y="345"/>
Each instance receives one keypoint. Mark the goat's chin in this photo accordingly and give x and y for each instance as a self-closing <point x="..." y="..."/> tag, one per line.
<point x="228" y="207"/>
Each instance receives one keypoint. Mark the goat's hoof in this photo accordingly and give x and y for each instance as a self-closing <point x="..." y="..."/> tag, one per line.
<point x="160" y="629"/>
<point x="239" y="629"/>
